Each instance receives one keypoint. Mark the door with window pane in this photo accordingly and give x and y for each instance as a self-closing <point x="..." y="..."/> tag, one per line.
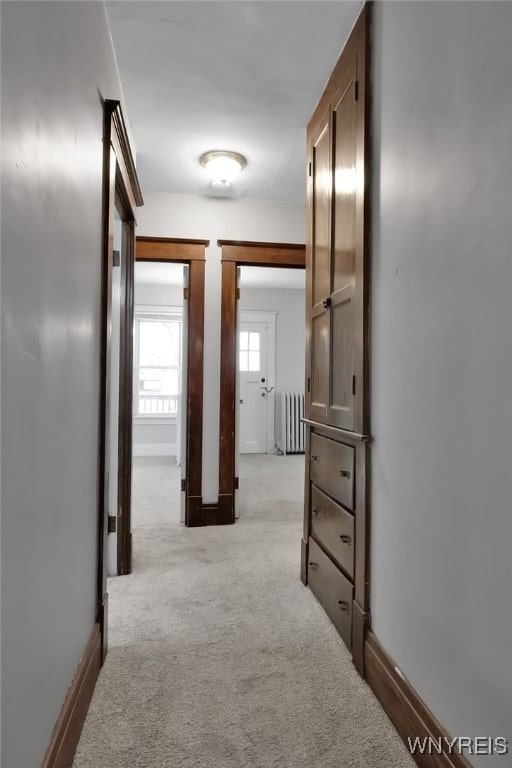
<point x="252" y="363"/>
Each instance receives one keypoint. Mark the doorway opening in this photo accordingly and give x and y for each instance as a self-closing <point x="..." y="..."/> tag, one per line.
<point x="159" y="392"/>
<point x="270" y="383"/>
<point x="170" y="387"/>
<point x="257" y="336"/>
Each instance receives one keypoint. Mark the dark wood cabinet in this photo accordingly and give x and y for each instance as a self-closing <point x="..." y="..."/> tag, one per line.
<point x="335" y="543"/>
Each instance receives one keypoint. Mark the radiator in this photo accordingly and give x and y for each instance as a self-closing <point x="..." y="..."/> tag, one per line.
<point x="293" y="431"/>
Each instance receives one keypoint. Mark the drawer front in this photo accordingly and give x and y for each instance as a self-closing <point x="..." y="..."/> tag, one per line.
<point x="332" y="468"/>
<point x="333" y="527"/>
<point x="333" y="590"/>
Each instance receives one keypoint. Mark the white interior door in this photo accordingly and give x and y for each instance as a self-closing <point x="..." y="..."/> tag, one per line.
<point x="253" y="378"/>
<point x="182" y="409"/>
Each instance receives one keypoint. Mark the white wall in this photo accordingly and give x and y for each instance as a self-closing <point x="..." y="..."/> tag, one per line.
<point x="169" y="215"/>
<point x="156" y="437"/>
<point x="290" y="306"/>
<point x="150" y="294"/>
<point x="442" y="357"/>
<point x="51" y="298"/>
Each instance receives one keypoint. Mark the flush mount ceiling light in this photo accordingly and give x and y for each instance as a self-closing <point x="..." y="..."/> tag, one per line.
<point x="222" y="167"/>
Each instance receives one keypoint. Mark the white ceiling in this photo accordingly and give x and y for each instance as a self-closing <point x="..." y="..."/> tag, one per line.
<point x="199" y="75"/>
<point x="250" y="277"/>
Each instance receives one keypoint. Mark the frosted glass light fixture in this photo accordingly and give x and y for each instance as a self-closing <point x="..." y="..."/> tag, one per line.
<point x="222" y="167"/>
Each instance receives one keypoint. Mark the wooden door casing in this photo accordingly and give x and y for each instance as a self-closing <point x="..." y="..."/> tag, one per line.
<point x="191" y="252"/>
<point x="120" y="188"/>
<point x="239" y="253"/>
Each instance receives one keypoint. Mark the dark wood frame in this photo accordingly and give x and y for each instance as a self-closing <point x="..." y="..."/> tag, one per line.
<point x="406" y="710"/>
<point x="358" y="45"/>
<point x="120" y="188"/>
<point x="191" y="252"/>
<point x="235" y="254"/>
<point x="66" y="732"/>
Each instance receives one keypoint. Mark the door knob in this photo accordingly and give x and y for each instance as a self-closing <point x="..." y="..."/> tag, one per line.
<point x="263" y="394"/>
<point x="314" y="566"/>
<point x="263" y="381"/>
<point x="345" y="473"/>
<point x="326" y="303"/>
<point x="343" y="606"/>
<point x="346" y="539"/>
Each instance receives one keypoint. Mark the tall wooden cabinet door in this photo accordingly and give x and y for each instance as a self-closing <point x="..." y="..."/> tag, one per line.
<point x="319" y="257"/>
<point x="342" y="313"/>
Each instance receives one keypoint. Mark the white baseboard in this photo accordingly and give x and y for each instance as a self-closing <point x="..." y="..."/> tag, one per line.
<point x="154" y="449"/>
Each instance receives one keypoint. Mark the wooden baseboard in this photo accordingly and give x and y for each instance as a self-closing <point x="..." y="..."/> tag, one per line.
<point x="102" y="619"/>
<point x="359" y="629"/>
<point x="194" y="515"/>
<point x="65" y="735"/>
<point x="406" y="710"/>
<point x="220" y="512"/>
<point x="304" y="547"/>
<point x="226" y="509"/>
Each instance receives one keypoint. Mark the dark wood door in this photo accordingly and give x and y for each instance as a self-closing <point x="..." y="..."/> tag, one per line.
<point x="319" y="274"/>
<point x="340" y="409"/>
<point x="332" y="261"/>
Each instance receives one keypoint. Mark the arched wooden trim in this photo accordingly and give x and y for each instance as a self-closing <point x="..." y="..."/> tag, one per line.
<point x="191" y="252"/>
<point x="119" y="182"/>
<point x="235" y="254"/>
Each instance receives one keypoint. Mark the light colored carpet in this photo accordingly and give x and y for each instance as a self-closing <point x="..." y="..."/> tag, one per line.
<point x="219" y="656"/>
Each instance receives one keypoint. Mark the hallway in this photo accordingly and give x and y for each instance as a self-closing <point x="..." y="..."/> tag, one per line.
<point x="219" y="656"/>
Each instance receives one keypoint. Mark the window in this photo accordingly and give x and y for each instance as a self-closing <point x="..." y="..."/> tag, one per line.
<point x="157" y="368"/>
<point x="250" y="351"/>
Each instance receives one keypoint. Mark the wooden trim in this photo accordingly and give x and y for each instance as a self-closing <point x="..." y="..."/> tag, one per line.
<point x="234" y="254"/>
<point x="404" y="707"/>
<point x="170" y="249"/>
<point x="195" y="358"/>
<point x="259" y="245"/>
<point x="174" y="240"/>
<point x="353" y="436"/>
<point x="124" y="155"/>
<point x="124" y="527"/>
<point x="67" y="730"/>
<point x="219" y="513"/>
<point x="360" y="619"/>
<point x="191" y="252"/>
<point x="109" y="174"/>
<point x="102" y="620"/>
<point x="227" y="382"/>
<point x="119" y="183"/>
<point x="264" y="254"/>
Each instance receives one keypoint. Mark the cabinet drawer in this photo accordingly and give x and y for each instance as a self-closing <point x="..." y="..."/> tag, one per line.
<point x="333" y="590"/>
<point x="333" y="527"/>
<point x="332" y="468"/>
